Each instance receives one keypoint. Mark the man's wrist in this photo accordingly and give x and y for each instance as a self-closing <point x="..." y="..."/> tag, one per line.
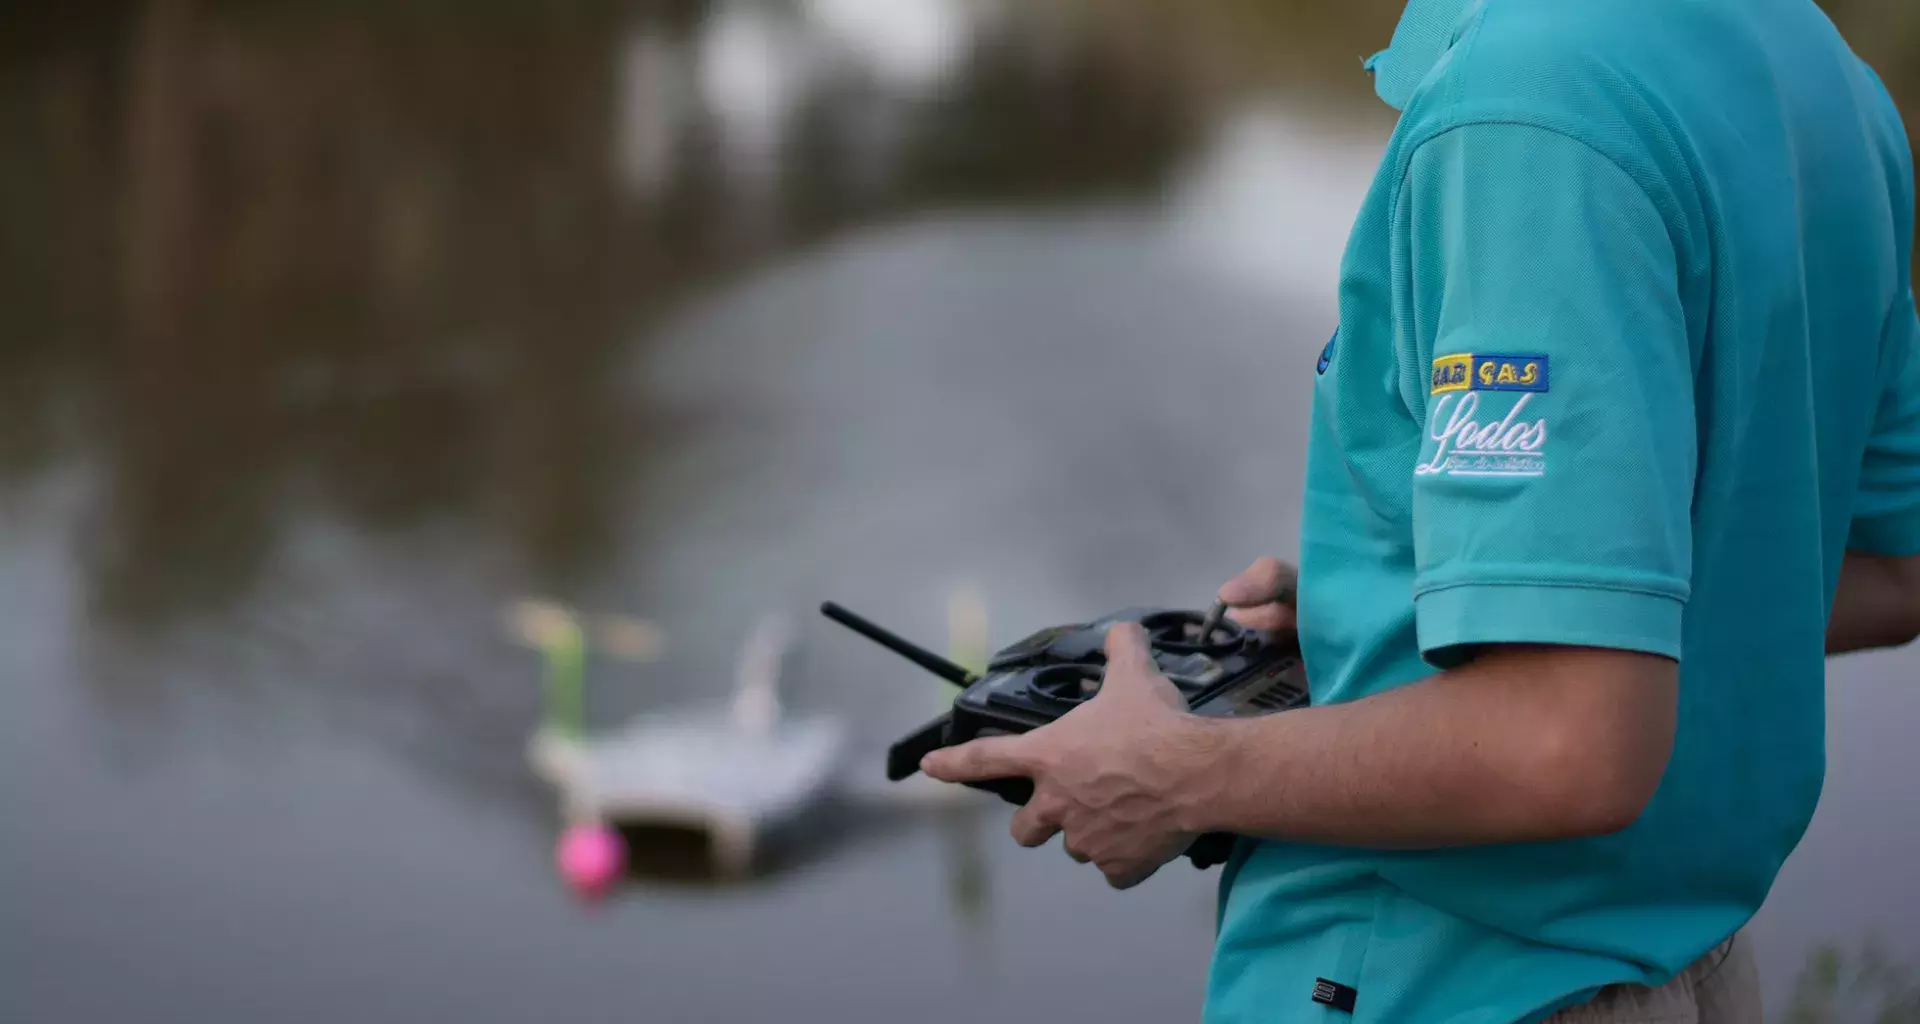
<point x="1201" y="753"/>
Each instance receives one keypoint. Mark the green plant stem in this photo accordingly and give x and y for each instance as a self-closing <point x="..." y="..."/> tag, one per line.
<point x="566" y="681"/>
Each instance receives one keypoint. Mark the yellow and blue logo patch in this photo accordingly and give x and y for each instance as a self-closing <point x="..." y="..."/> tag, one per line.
<point x="1470" y="372"/>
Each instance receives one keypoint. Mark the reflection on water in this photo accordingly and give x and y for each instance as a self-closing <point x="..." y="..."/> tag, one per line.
<point x="375" y="271"/>
<point x="387" y="262"/>
<point x="332" y="328"/>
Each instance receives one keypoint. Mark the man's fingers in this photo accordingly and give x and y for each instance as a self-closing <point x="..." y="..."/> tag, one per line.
<point x="1034" y="824"/>
<point x="993" y="757"/>
<point x="1265" y="581"/>
<point x="1121" y="876"/>
<point x="1267" y="617"/>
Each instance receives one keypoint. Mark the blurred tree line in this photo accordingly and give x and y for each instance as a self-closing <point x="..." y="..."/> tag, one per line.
<point x="391" y="254"/>
<point x="395" y="248"/>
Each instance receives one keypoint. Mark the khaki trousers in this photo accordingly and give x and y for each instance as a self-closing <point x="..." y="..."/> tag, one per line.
<point x="1722" y="987"/>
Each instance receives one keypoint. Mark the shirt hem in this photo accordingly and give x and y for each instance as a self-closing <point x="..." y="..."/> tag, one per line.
<point x="1452" y="619"/>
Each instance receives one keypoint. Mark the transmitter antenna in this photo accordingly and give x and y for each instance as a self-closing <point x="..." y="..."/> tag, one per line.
<point x="899" y="645"/>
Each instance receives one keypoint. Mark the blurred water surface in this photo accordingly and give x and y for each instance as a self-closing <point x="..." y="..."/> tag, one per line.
<point x="331" y="329"/>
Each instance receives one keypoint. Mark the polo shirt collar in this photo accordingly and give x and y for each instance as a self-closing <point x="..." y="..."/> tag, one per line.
<point x="1425" y="33"/>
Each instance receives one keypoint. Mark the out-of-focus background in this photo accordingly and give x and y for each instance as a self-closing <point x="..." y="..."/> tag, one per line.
<point x="330" y="329"/>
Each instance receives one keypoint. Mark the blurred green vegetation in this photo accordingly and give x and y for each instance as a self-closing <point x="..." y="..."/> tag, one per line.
<point x="1863" y="984"/>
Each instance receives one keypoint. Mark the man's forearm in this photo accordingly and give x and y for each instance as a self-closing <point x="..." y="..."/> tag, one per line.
<point x="1493" y="752"/>
<point x="1877" y="604"/>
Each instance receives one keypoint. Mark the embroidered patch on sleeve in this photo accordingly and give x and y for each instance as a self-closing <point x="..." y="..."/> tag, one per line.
<point x="1472" y="372"/>
<point x="1471" y="441"/>
<point x="1452" y="373"/>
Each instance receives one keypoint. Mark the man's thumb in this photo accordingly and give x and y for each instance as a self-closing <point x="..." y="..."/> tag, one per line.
<point x="1128" y="648"/>
<point x="1131" y="668"/>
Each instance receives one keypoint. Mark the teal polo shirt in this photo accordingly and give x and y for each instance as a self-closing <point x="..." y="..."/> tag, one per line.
<point x="1626" y="358"/>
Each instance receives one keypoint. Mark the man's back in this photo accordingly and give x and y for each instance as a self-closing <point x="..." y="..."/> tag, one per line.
<point x="1805" y="185"/>
<point x="1623" y="319"/>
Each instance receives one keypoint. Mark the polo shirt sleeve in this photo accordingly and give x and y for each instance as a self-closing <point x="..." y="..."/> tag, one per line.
<point x="1886" y="514"/>
<point x="1543" y="347"/>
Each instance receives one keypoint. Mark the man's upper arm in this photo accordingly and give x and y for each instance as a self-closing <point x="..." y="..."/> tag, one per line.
<point x="1886" y="514"/>
<point x="1540" y="306"/>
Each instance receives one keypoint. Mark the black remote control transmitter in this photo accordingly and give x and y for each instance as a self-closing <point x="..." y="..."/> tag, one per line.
<point x="1231" y="671"/>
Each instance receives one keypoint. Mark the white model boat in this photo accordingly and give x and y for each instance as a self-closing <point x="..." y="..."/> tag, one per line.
<point x="735" y="773"/>
<point x="739" y="772"/>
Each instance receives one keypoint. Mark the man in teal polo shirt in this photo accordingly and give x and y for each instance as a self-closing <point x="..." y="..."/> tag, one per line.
<point x="1619" y="436"/>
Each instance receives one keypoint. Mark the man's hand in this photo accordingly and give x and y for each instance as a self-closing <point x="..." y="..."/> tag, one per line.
<point x="1111" y="774"/>
<point x="1262" y="596"/>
